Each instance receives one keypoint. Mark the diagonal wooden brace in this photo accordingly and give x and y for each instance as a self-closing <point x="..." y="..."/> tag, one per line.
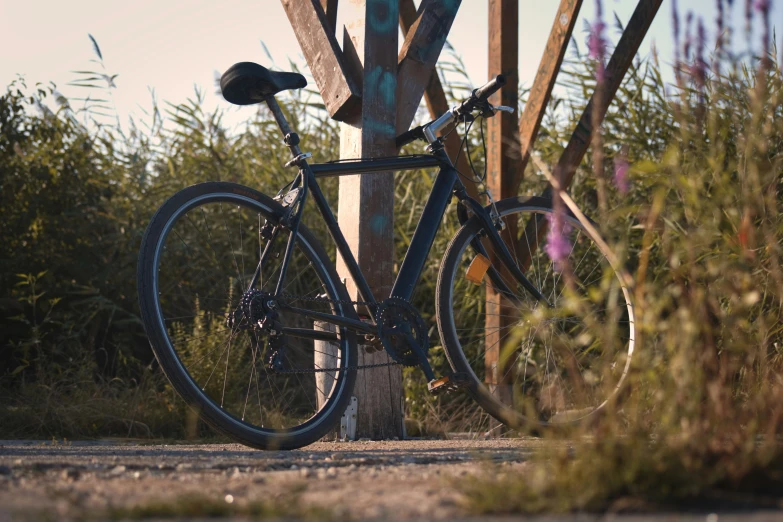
<point x="577" y="146"/>
<point x="339" y="89"/>
<point x="545" y="80"/>
<point x="424" y="39"/>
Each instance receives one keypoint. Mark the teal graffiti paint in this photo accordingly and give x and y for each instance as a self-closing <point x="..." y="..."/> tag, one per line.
<point x="382" y="15"/>
<point x="378" y="224"/>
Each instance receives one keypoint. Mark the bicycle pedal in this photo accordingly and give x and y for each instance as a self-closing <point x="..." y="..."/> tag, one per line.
<point x="449" y="383"/>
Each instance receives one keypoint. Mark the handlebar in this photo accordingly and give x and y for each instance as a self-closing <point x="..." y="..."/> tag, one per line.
<point x="479" y="96"/>
<point x="477" y="100"/>
<point x="490" y="88"/>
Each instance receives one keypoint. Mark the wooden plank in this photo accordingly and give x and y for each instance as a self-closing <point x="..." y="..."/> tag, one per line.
<point x="366" y="202"/>
<point x="330" y="9"/>
<point x="424" y="39"/>
<point x="435" y="98"/>
<point x="502" y="162"/>
<point x="545" y="80"/>
<point x="575" y="150"/>
<point x="339" y="89"/>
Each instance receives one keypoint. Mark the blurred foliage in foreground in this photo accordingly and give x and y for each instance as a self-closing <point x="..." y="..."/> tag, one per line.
<point x="702" y="416"/>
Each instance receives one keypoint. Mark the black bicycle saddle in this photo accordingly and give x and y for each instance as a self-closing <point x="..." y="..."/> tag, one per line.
<point x="246" y="83"/>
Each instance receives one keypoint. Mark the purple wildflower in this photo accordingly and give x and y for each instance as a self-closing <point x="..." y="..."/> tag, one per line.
<point x="558" y="247"/>
<point x="688" y="37"/>
<point x="698" y="68"/>
<point x="621" y="171"/>
<point x="676" y="29"/>
<point x="596" y="42"/>
<point x="763" y="7"/>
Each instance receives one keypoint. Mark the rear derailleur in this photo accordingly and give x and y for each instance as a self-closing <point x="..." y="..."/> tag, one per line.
<point x="258" y="312"/>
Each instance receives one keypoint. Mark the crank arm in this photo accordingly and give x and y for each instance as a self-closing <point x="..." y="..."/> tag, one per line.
<point x="423" y="362"/>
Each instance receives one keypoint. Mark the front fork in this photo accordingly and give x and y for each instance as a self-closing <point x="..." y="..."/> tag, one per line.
<point x="490" y="228"/>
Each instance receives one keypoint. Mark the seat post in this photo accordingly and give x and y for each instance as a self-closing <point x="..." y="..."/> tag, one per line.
<point x="291" y="138"/>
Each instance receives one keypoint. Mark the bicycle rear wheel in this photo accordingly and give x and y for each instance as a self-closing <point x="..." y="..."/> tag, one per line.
<point x="532" y="364"/>
<point x="196" y="262"/>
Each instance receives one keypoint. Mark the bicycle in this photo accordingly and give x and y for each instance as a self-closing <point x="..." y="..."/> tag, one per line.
<point x="232" y="323"/>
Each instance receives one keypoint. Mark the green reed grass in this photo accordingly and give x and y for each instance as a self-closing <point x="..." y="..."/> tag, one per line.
<point x="700" y="229"/>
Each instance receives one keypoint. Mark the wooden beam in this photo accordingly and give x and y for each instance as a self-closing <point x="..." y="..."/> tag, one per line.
<point x="575" y="150"/>
<point x="502" y="163"/>
<point x="545" y="80"/>
<point x="435" y="98"/>
<point x="330" y="9"/>
<point x="339" y="89"/>
<point x="366" y="202"/>
<point x="424" y="39"/>
<point x="621" y="60"/>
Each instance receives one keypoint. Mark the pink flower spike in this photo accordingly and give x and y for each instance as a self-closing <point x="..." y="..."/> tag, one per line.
<point x="557" y="245"/>
<point x="596" y="42"/>
<point x="621" y="173"/>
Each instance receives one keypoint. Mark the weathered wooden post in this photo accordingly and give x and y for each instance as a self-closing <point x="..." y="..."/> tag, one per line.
<point x="502" y="157"/>
<point x="375" y="94"/>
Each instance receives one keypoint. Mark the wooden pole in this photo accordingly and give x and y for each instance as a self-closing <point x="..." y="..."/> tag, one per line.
<point x="360" y="87"/>
<point x="366" y="202"/>
<point x="502" y="163"/>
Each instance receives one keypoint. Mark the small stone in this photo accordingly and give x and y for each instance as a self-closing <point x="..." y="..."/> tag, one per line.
<point x="18" y="462"/>
<point x="117" y="470"/>
<point x="70" y="474"/>
<point x="352" y="467"/>
<point x="136" y="475"/>
<point x="294" y="467"/>
<point x="447" y="502"/>
<point x="306" y="473"/>
<point x="5" y="470"/>
<point x="337" y="456"/>
<point x="259" y="480"/>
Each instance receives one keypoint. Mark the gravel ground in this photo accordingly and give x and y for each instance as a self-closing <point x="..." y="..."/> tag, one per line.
<point x="389" y="480"/>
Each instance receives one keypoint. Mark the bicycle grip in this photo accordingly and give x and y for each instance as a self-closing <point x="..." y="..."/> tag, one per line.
<point x="490" y="88"/>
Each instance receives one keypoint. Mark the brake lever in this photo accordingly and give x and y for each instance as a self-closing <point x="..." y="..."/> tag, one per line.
<point x="504" y="108"/>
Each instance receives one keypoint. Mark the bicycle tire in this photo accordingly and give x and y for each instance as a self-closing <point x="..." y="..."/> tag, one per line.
<point x="464" y="354"/>
<point x="160" y="333"/>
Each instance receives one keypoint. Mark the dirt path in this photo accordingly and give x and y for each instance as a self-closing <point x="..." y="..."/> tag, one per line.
<point x="406" y="480"/>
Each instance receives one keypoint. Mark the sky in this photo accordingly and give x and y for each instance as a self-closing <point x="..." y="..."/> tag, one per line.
<point x="170" y="45"/>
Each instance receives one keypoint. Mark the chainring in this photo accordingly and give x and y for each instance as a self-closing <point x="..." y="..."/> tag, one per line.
<point x="397" y="318"/>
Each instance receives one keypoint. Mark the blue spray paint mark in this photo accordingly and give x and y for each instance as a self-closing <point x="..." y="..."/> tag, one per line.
<point x="378" y="224"/>
<point x="382" y="15"/>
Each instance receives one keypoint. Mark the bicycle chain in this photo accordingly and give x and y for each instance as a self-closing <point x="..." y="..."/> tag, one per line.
<point x="319" y="299"/>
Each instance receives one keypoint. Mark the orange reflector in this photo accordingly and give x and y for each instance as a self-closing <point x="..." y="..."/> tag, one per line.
<point x="477" y="269"/>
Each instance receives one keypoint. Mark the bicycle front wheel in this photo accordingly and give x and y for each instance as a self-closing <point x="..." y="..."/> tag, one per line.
<point x="533" y="363"/>
<point x="197" y="260"/>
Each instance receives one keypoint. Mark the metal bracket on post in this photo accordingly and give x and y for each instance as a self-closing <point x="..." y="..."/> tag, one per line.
<point x="348" y="421"/>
